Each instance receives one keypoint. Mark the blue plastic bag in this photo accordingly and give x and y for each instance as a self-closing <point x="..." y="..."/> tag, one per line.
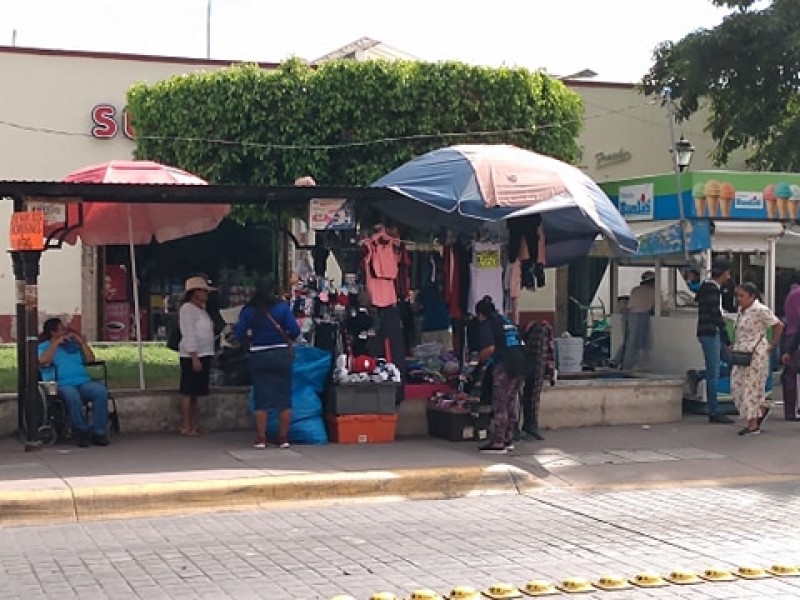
<point x="309" y="372"/>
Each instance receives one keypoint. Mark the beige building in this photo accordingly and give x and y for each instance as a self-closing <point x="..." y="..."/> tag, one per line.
<point x="64" y="110"/>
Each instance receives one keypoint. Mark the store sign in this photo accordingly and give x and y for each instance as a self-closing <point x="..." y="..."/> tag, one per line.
<point x="108" y="122"/>
<point x="749" y="201"/>
<point x="636" y="202"/>
<point x="606" y="159"/>
<point x="27" y="230"/>
<point x="331" y="214"/>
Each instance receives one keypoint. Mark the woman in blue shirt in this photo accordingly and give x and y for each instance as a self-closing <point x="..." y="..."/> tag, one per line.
<point x="272" y="328"/>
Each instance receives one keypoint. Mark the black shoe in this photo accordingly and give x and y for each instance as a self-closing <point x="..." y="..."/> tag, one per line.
<point x="747" y="431"/>
<point x="534" y="433"/>
<point x="764" y="416"/>
<point x="100" y="440"/>
<point x="84" y="439"/>
<point x="489" y="449"/>
<point x="724" y="419"/>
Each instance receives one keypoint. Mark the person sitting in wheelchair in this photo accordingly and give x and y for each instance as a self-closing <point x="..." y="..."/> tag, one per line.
<point x="68" y="352"/>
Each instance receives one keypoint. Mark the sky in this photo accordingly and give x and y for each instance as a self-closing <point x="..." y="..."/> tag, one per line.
<point x="615" y="38"/>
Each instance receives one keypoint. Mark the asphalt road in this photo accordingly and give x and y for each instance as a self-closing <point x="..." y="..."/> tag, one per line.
<point x="359" y="549"/>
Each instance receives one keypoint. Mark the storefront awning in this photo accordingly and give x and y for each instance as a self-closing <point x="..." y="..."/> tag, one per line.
<point x="745" y="236"/>
<point x="662" y="239"/>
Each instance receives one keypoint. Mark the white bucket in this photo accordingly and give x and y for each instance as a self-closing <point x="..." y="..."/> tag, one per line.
<point x="569" y="354"/>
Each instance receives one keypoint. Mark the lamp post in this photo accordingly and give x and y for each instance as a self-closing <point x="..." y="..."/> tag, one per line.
<point x="681" y="152"/>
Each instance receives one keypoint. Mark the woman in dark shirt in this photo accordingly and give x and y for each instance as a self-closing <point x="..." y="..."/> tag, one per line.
<point x="506" y="369"/>
<point x="272" y="329"/>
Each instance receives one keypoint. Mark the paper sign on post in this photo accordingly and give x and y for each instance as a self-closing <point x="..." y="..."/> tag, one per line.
<point x="27" y="230"/>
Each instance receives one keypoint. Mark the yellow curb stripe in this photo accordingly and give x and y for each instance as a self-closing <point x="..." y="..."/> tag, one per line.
<point x="119" y="501"/>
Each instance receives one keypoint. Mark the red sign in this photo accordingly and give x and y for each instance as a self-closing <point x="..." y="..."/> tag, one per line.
<point x="106" y="122"/>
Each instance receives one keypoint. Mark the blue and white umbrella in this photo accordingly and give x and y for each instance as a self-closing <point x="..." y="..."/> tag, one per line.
<point x="465" y="187"/>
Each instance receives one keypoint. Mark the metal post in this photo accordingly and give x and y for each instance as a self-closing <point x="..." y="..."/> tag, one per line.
<point x="19" y="288"/>
<point x="667" y="95"/>
<point x="30" y="267"/>
<point x="208" y="29"/>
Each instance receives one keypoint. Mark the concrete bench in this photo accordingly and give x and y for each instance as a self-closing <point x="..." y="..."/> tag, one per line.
<point x="571" y="403"/>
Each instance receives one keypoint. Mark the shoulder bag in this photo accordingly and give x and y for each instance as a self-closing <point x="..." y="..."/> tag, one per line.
<point x="743" y="358"/>
<point x="286" y="337"/>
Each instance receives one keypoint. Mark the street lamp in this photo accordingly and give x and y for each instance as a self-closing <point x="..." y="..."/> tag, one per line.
<point x="683" y="153"/>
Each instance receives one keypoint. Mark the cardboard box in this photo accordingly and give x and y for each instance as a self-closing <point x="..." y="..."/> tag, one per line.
<point x="361" y="429"/>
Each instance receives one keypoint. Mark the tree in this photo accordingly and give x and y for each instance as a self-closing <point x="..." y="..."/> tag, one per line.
<point x="345" y="122"/>
<point x="748" y="69"/>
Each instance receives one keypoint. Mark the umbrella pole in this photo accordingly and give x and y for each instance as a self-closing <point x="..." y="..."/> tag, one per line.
<point x="136" y="317"/>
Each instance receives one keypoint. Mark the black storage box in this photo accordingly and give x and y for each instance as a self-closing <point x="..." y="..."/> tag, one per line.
<point x="459" y="426"/>
<point x="367" y="398"/>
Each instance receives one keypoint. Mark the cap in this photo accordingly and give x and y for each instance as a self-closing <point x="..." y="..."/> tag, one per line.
<point x="719" y="267"/>
<point x="648" y="276"/>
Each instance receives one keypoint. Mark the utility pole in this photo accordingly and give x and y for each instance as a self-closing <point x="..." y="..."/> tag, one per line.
<point x="208" y="29"/>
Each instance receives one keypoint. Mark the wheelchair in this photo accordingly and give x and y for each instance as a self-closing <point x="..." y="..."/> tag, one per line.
<point x="52" y="421"/>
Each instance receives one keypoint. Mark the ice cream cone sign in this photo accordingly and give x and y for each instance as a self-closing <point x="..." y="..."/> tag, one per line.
<point x="712" y="197"/>
<point x="771" y="201"/>
<point x="794" y="201"/>
<point x="783" y="192"/>
<point x="699" y="195"/>
<point x="726" y="195"/>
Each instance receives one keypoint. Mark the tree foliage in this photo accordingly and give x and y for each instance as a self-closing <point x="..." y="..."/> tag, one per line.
<point x="748" y="70"/>
<point x="345" y="122"/>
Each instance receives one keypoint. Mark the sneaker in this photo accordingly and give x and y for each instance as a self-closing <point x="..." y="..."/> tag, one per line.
<point x="746" y="431"/>
<point x="764" y="416"/>
<point x="284" y="445"/>
<point x="723" y="419"/>
<point x="260" y="444"/>
<point x="510" y="447"/>
<point x="84" y="439"/>
<point x="489" y="449"/>
<point x="100" y="439"/>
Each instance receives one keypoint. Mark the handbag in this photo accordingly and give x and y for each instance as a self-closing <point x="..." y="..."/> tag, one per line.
<point x="289" y="341"/>
<point x="743" y="358"/>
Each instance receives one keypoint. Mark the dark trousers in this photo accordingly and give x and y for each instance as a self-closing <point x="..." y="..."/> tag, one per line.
<point x="789" y="382"/>
<point x="531" y="395"/>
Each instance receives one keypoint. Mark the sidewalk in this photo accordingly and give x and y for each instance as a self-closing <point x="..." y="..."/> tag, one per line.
<point x="166" y="474"/>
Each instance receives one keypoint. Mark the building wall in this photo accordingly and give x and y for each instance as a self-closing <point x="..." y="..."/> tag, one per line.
<point x="625" y="135"/>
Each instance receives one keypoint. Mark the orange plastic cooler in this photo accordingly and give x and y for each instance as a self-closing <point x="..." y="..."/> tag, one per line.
<point x="361" y="429"/>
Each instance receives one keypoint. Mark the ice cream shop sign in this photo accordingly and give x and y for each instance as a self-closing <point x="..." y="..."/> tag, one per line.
<point x="723" y="195"/>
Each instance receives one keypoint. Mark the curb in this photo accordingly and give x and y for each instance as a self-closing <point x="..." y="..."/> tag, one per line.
<point x="78" y="504"/>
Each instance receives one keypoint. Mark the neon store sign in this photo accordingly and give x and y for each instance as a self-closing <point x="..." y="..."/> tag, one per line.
<point x="108" y="122"/>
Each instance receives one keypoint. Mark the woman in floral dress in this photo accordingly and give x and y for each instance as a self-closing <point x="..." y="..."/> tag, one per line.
<point x="748" y="382"/>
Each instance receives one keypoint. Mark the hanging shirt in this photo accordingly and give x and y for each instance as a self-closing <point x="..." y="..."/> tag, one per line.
<point x="486" y="274"/>
<point x="452" y="281"/>
<point x="381" y="269"/>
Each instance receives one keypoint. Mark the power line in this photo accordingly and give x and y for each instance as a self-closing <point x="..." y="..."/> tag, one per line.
<point x="342" y="145"/>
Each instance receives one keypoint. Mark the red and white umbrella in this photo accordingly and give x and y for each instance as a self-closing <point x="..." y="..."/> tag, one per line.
<point x="107" y="223"/>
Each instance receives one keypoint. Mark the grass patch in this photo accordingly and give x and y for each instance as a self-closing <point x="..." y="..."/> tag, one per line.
<point x="161" y="368"/>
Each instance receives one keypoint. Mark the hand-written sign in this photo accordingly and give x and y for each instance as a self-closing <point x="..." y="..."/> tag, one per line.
<point x="27" y="230"/>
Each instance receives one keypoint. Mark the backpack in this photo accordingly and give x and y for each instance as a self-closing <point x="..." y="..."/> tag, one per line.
<point x="174" y="337"/>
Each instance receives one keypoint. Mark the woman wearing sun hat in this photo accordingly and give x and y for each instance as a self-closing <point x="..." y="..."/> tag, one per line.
<point x="196" y="349"/>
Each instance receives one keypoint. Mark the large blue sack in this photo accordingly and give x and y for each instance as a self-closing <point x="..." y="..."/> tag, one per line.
<point x="309" y="373"/>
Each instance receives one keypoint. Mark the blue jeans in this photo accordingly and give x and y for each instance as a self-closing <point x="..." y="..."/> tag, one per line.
<point x="712" y="352"/>
<point x="74" y="397"/>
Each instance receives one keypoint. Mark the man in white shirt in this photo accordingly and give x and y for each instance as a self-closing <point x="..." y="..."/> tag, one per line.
<point x="641" y="303"/>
